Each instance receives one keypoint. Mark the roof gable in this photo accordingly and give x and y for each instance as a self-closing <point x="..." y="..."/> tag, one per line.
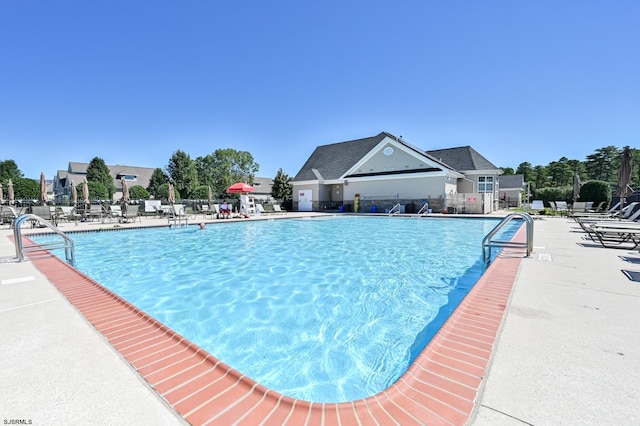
<point x="354" y="158"/>
<point x="463" y="158"/>
<point x="334" y="160"/>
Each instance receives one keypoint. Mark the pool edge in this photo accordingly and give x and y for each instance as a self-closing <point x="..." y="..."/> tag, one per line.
<point x="441" y="386"/>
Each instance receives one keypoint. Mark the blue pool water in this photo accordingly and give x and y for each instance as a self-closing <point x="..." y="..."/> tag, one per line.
<point x="327" y="310"/>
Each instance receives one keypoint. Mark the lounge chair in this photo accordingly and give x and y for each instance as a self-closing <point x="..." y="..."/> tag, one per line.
<point x="278" y="210"/>
<point x="621" y="236"/>
<point x="8" y="214"/>
<point x="561" y="207"/>
<point x="131" y="213"/>
<point x="95" y="212"/>
<point x="537" y="205"/>
<point x="67" y="213"/>
<point x="115" y="212"/>
<point x="632" y="220"/>
<point x="206" y="210"/>
<point x="45" y="212"/>
<point x="627" y="213"/>
<point x="613" y="211"/>
<point x="260" y="209"/>
<point x="177" y="215"/>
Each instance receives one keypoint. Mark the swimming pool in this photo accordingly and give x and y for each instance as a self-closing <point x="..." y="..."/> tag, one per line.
<point x="323" y="310"/>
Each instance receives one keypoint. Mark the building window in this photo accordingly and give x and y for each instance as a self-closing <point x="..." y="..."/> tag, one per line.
<point x="127" y="177"/>
<point x="485" y="184"/>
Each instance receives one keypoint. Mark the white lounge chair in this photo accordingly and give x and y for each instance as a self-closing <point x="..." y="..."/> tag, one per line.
<point x="537" y="205"/>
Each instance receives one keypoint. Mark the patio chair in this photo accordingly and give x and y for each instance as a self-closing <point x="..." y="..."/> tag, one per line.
<point x="45" y="212"/>
<point x="68" y="214"/>
<point x="260" y="209"/>
<point x="537" y="205"/>
<point x="633" y="220"/>
<point x="131" y="213"/>
<point x="95" y="212"/>
<point x="8" y="214"/>
<point x="619" y="236"/>
<point x="278" y="210"/>
<point x="562" y="208"/>
<point x="205" y="210"/>
<point x="613" y="211"/>
<point x="115" y="212"/>
<point x="177" y="215"/>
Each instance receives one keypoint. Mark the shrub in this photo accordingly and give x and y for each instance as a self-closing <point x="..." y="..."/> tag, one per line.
<point x="554" y="193"/>
<point x="596" y="191"/>
<point x="138" y="192"/>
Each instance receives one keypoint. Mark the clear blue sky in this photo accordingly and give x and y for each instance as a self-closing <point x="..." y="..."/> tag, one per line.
<point x="134" y="81"/>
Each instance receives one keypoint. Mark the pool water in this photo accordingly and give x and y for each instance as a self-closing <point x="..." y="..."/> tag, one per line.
<point x="326" y="310"/>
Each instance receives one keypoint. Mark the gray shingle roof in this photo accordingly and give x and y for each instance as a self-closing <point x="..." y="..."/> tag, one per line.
<point x="333" y="160"/>
<point x="463" y="158"/>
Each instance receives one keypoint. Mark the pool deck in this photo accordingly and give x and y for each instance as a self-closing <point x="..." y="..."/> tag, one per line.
<point x="567" y="350"/>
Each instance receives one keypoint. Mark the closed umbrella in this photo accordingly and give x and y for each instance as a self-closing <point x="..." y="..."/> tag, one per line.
<point x="85" y="192"/>
<point x="1" y="194"/>
<point x="74" y="194"/>
<point x="576" y="187"/>
<point x="10" y="193"/>
<point x="125" y="191"/>
<point x="43" y="189"/>
<point x="624" y="176"/>
<point x="171" y="196"/>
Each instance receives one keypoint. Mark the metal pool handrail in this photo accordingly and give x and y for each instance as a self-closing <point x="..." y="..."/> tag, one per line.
<point x="66" y="243"/>
<point x="488" y="242"/>
<point x="393" y="208"/>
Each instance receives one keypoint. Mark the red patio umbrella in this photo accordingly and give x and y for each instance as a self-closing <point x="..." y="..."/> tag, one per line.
<point x="239" y="188"/>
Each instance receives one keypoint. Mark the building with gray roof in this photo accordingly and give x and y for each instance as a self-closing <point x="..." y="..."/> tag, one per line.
<point x="383" y="171"/>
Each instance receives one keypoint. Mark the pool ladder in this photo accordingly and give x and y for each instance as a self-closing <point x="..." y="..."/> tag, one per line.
<point x="488" y="242"/>
<point x="66" y="243"/>
<point x="395" y="209"/>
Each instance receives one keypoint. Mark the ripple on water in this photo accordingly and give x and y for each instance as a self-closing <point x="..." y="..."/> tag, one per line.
<point x="326" y="311"/>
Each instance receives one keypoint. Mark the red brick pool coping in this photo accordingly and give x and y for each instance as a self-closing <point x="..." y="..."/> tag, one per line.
<point x="440" y="387"/>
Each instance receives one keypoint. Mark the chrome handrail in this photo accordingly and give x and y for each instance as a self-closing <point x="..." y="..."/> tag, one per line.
<point x="423" y="209"/>
<point x="488" y="242"/>
<point x="67" y="242"/>
<point x="393" y="208"/>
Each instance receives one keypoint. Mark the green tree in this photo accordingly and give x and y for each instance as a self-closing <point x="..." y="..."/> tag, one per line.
<point x="601" y="165"/>
<point x="206" y="169"/>
<point x="97" y="191"/>
<point x="596" y="191"/>
<point x="230" y="166"/>
<point x="560" y="172"/>
<point x="158" y="177"/>
<point x="507" y="171"/>
<point x="540" y="179"/>
<point x="138" y="192"/>
<point x="9" y="170"/>
<point x="163" y="193"/>
<point x="182" y="171"/>
<point x="98" y="172"/>
<point x="282" y="188"/>
<point x="25" y="188"/>
<point x="201" y="192"/>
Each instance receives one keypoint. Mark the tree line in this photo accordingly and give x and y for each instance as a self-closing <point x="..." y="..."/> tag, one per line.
<point x="602" y="165"/>
<point x="191" y="178"/>
<point x="224" y="167"/>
